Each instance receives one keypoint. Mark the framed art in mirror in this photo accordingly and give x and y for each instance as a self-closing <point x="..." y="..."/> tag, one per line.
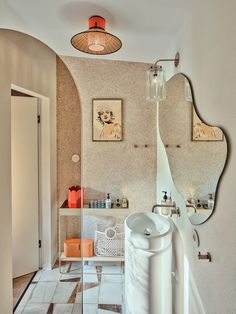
<point x="204" y="132"/>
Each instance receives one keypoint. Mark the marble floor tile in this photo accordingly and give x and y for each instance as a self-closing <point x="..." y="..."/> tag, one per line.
<point x="63" y="292"/>
<point x="123" y="291"/>
<point x="90" y="273"/>
<point x="87" y="286"/>
<point x="91" y="295"/>
<point x="112" y="308"/>
<point x="43" y="292"/>
<point x="111" y="269"/>
<point x="110" y="293"/>
<point x="38" y="275"/>
<point x="55" y="293"/>
<point x="90" y="308"/>
<point x="75" y="267"/>
<point x="99" y="272"/>
<point x="112" y="278"/>
<point x="36" y="308"/>
<point x="105" y="312"/>
<point x="77" y="308"/>
<point x="89" y="269"/>
<point x="100" y="311"/>
<point x="89" y="278"/>
<point x="79" y="298"/>
<point x="70" y="277"/>
<point x="63" y="308"/>
<point x="50" y="275"/>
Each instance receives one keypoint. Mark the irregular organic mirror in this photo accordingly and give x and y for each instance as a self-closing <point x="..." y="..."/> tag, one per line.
<point x="196" y="152"/>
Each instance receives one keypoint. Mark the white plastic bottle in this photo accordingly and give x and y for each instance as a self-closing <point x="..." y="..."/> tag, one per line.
<point x="210" y="202"/>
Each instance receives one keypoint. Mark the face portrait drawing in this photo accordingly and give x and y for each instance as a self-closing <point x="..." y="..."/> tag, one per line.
<point x="110" y="129"/>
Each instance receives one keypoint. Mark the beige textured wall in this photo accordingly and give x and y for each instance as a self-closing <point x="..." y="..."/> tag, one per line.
<point x="68" y="132"/>
<point x="117" y="167"/>
<point x="195" y="166"/>
<point x="25" y="62"/>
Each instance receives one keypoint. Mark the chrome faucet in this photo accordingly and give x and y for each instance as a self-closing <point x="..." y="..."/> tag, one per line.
<point x="192" y="206"/>
<point x="174" y="209"/>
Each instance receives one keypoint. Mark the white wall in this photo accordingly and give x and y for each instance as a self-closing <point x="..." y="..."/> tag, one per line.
<point x="207" y="48"/>
<point x="25" y="62"/>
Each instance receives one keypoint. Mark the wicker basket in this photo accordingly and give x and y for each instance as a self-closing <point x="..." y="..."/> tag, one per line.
<point x="109" y="241"/>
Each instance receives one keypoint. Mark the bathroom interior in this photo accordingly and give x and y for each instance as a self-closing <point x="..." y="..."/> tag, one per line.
<point x="117" y="167"/>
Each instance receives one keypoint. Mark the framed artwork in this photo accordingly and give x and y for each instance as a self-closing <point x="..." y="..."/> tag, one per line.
<point x="107" y="120"/>
<point x="204" y="132"/>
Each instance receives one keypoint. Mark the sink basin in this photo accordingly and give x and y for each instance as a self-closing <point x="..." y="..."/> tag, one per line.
<point x="148" y="231"/>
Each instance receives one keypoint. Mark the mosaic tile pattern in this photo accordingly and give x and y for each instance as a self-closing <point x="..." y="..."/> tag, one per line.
<point x="98" y="291"/>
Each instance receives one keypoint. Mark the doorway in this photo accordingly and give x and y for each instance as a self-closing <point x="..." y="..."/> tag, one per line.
<point x="25" y="189"/>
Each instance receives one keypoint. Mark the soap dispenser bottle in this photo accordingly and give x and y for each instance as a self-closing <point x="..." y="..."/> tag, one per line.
<point x="108" y="201"/>
<point x="210" y="201"/>
<point x="164" y="210"/>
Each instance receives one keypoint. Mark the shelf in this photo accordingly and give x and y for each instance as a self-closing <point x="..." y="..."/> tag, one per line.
<point x="94" y="211"/>
<point x="92" y="259"/>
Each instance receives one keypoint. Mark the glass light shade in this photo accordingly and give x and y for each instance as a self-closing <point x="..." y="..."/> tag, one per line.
<point x="155" y="84"/>
<point x="96" y="41"/>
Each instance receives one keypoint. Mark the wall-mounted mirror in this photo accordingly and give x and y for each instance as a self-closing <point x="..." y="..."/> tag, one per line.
<point x="196" y="152"/>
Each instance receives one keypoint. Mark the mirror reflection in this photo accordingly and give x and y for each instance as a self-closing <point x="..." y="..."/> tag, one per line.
<point x="196" y="151"/>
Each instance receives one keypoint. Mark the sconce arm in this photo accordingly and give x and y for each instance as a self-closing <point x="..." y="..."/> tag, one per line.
<point x="176" y="60"/>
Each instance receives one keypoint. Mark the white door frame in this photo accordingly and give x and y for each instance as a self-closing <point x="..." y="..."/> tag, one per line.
<point x="45" y="217"/>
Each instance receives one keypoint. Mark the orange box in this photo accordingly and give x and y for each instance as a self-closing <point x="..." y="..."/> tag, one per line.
<point x="76" y="247"/>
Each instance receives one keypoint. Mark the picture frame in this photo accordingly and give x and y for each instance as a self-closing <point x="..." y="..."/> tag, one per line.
<point x="203" y="132"/>
<point x="107" y="120"/>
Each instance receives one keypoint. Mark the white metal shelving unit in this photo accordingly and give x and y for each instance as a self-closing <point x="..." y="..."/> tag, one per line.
<point x="65" y="211"/>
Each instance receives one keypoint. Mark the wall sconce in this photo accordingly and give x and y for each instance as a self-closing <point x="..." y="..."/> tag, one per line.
<point x="156" y="83"/>
<point x="96" y="40"/>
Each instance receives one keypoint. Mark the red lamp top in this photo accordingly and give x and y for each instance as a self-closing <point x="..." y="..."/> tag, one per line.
<point x="97" y="21"/>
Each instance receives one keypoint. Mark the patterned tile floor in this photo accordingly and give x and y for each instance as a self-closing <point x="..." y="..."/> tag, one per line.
<point x="100" y="290"/>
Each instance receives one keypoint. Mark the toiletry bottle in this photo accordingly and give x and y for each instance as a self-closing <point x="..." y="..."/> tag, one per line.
<point x="108" y="201"/>
<point x="124" y="203"/>
<point x="164" y="210"/>
<point x="210" y="201"/>
<point x="199" y="205"/>
<point x="117" y="203"/>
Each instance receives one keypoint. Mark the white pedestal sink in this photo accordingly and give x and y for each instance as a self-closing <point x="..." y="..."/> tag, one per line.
<point x="148" y="252"/>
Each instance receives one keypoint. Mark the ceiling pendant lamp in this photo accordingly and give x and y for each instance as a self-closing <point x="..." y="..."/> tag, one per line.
<point x="96" y="40"/>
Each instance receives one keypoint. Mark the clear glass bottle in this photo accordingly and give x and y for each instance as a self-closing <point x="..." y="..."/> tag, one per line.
<point x="124" y="202"/>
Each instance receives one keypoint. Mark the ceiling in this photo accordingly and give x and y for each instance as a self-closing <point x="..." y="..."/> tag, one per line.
<point x="145" y="27"/>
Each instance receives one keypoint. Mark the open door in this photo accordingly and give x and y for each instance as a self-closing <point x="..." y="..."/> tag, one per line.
<point x="25" y="200"/>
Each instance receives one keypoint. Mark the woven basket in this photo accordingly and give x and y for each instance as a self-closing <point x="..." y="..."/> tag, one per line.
<point x="109" y="241"/>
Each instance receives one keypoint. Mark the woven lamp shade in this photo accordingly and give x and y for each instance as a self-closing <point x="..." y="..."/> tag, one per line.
<point x="96" y="40"/>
